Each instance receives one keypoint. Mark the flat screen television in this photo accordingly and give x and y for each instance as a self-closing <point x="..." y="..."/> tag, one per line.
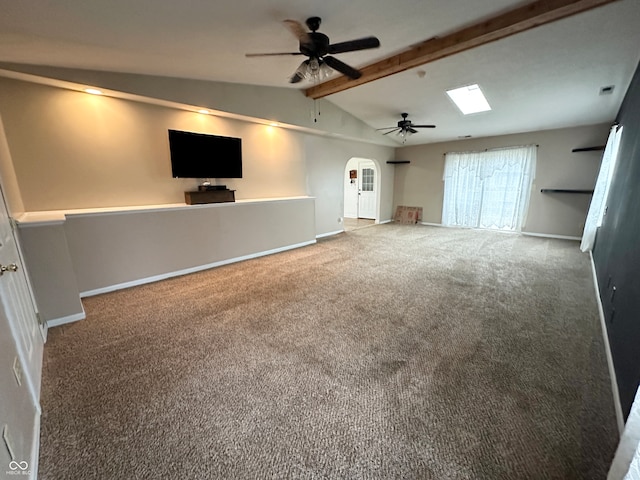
<point x="197" y="155"/>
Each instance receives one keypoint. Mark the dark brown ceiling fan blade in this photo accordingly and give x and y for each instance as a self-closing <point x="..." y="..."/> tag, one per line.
<point x="423" y="126"/>
<point x="354" y="45"/>
<point x="342" y="67"/>
<point x="297" y="29"/>
<point x="270" y="54"/>
<point x="385" y="128"/>
<point x="391" y="131"/>
<point x="316" y="46"/>
<point x="412" y="130"/>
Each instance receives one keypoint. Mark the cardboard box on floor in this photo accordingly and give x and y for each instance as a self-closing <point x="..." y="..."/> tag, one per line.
<point x="408" y="215"/>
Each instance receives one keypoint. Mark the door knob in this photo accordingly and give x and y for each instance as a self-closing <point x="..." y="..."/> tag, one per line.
<point x="8" y="268"/>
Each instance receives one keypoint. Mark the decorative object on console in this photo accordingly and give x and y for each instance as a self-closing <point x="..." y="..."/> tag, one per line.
<point x="209" y="196"/>
<point x="208" y="188"/>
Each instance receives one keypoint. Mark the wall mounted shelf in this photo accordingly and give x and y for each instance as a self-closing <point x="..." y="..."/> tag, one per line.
<point x="565" y="190"/>
<point x="599" y="148"/>
<point x="397" y="162"/>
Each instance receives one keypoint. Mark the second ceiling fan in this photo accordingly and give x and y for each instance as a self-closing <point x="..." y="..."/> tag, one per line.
<point x="404" y="127"/>
<point x="316" y="46"/>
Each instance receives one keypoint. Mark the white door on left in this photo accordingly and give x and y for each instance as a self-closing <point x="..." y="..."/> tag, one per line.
<point x="367" y="191"/>
<point x="21" y="345"/>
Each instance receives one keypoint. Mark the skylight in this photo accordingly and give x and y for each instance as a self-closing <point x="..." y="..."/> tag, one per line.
<point x="469" y="99"/>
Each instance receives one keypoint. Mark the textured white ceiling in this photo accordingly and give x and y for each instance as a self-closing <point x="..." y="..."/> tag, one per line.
<point x="545" y="78"/>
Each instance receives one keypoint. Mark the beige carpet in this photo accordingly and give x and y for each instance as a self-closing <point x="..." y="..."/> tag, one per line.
<point x="386" y="352"/>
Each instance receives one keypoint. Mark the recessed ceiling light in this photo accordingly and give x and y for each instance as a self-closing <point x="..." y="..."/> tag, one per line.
<point x="469" y="99"/>
<point x="93" y="91"/>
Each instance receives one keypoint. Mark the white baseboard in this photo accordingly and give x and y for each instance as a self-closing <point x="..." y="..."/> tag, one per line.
<point x="56" y="322"/>
<point x="385" y="221"/>
<point x="186" y="271"/>
<point x="329" y="234"/>
<point x="607" y="348"/>
<point x="550" y="235"/>
<point x="531" y="234"/>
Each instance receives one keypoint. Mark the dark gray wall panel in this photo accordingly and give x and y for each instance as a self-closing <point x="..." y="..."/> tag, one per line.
<point x="617" y="253"/>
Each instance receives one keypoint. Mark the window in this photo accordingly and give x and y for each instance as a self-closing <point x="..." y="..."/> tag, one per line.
<point x="601" y="190"/>
<point x="488" y="189"/>
<point x="469" y="99"/>
<point x="367" y="179"/>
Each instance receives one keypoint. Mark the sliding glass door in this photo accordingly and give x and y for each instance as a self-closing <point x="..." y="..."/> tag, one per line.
<point x="488" y="189"/>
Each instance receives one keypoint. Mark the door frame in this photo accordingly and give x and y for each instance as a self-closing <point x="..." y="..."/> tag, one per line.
<point x="353" y="164"/>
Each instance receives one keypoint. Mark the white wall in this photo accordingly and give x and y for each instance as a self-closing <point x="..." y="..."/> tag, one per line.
<point x="420" y="183"/>
<point x="10" y="185"/>
<point x="285" y="105"/>
<point x="121" y="247"/>
<point x="326" y="161"/>
<point x="88" y="253"/>
<point x="72" y="150"/>
<point x="52" y="272"/>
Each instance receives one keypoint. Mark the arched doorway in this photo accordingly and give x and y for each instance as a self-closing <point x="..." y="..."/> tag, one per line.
<point x="361" y="189"/>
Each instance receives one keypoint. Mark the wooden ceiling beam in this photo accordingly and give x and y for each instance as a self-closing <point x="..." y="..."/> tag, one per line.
<point x="518" y="20"/>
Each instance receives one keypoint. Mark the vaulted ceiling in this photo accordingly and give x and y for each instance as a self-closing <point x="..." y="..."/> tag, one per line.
<point x="543" y="78"/>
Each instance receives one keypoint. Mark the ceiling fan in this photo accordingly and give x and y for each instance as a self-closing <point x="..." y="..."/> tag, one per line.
<point x="404" y="127"/>
<point x="316" y="46"/>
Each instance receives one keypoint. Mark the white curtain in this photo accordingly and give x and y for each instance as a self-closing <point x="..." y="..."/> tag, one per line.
<point x="488" y="189"/>
<point x="601" y="190"/>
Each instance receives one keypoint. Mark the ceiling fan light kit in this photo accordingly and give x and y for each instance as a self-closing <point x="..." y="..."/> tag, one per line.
<point x="318" y="48"/>
<point x="313" y="69"/>
<point x="404" y="128"/>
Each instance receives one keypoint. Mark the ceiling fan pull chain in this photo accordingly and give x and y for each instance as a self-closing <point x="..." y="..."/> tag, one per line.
<point x="316" y="111"/>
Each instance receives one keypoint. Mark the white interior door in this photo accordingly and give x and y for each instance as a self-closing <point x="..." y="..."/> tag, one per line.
<point x="18" y="305"/>
<point x="367" y="190"/>
<point x="16" y="298"/>
<point x="18" y="413"/>
<point x="21" y="345"/>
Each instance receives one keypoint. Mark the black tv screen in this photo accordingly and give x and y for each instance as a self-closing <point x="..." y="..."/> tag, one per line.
<point x="196" y="155"/>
